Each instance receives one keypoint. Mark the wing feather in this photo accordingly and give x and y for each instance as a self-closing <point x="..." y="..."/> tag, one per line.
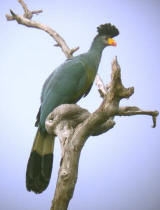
<point x="67" y="84"/>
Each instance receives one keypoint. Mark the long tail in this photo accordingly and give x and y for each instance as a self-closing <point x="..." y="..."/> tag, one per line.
<point x="39" y="165"/>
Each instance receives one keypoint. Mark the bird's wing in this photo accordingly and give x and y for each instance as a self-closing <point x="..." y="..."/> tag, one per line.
<point x="66" y="85"/>
<point x="88" y="90"/>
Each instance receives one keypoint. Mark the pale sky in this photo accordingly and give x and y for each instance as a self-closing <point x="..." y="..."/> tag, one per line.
<point x="118" y="170"/>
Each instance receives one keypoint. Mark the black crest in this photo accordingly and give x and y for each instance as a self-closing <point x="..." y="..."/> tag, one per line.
<point x="107" y="29"/>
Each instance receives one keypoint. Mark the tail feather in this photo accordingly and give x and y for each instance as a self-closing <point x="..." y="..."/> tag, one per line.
<point x="39" y="166"/>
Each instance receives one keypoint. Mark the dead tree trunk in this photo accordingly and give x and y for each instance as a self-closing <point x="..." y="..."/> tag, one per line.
<point x="72" y="124"/>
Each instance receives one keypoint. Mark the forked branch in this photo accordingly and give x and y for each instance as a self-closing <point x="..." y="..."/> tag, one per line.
<point x="25" y="19"/>
<point x="27" y="13"/>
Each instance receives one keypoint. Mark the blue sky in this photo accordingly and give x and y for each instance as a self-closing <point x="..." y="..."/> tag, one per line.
<point x="118" y="170"/>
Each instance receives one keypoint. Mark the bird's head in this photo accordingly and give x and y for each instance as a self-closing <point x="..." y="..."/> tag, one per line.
<point x="106" y="32"/>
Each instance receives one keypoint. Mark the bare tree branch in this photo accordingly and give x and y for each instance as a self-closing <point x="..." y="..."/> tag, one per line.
<point x="26" y="20"/>
<point x="129" y="111"/>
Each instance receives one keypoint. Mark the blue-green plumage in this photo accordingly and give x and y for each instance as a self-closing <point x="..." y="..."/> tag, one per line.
<point x="67" y="84"/>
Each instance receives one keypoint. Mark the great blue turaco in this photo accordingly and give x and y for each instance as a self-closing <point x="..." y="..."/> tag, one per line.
<point x="68" y="83"/>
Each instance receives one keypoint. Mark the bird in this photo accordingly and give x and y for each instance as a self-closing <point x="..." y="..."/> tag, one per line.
<point x="67" y="84"/>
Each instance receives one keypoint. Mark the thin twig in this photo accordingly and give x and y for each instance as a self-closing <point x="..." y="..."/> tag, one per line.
<point x="101" y="87"/>
<point x="74" y="50"/>
<point x="24" y="6"/>
<point x="37" y="11"/>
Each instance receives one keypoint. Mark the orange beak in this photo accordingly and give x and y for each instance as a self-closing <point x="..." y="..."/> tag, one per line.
<point x="111" y="42"/>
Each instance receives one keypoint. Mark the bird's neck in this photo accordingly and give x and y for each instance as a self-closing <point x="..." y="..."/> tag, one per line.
<point x="95" y="52"/>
